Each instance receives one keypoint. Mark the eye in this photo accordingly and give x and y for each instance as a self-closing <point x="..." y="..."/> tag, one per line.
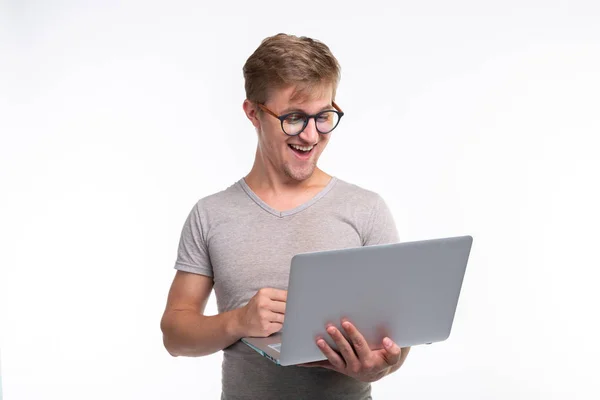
<point x="325" y="117"/>
<point x="295" y="119"/>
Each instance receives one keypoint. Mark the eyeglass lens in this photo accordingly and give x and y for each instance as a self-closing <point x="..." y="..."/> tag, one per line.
<point x="326" y="121"/>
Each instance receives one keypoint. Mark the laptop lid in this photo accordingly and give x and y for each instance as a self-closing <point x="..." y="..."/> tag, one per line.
<point x="406" y="291"/>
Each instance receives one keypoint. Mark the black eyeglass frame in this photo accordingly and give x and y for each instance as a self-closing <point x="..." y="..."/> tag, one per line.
<point x="282" y="118"/>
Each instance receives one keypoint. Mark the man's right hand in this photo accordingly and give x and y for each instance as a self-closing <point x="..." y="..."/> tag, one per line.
<point x="264" y="313"/>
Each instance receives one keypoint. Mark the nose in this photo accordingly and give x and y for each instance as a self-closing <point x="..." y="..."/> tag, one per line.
<point x="310" y="134"/>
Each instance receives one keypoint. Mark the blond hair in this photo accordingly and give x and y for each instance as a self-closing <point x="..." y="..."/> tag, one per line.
<point x="286" y="60"/>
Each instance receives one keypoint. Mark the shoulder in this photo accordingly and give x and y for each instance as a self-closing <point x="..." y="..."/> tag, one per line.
<point x="356" y="195"/>
<point x="220" y="203"/>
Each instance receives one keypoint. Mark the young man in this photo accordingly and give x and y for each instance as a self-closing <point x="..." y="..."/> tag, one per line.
<point x="240" y="241"/>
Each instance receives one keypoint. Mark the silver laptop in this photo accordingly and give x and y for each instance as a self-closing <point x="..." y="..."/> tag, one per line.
<point x="406" y="291"/>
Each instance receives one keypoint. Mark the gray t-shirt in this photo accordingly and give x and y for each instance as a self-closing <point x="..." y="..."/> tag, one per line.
<point x="245" y="245"/>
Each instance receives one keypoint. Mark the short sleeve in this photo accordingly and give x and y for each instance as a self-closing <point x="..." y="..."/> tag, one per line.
<point x="381" y="228"/>
<point x="192" y="254"/>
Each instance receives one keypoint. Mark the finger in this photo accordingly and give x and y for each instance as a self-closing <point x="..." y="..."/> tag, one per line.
<point x="276" y="317"/>
<point x="345" y="348"/>
<point x="274" y="327"/>
<point x="336" y="361"/>
<point x="392" y="351"/>
<point x="278" y="307"/>
<point x="276" y="294"/>
<point x="360" y="345"/>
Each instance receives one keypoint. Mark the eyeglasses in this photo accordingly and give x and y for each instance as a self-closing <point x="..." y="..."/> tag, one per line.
<point x="295" y="122"/>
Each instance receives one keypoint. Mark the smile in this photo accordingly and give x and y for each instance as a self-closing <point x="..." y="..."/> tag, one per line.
<point x="301" y="152"/>
<point x="301" y="148"/>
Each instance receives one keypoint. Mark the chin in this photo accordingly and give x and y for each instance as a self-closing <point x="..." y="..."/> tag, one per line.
<point x="299" y="174"/>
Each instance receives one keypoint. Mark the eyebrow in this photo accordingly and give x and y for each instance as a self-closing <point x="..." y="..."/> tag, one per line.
<point x="294" y="109"/>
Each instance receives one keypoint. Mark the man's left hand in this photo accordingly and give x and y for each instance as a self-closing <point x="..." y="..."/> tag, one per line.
<point x="357" y="359"/>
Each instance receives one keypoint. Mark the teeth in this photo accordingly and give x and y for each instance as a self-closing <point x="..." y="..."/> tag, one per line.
<point x="302" y="148"/>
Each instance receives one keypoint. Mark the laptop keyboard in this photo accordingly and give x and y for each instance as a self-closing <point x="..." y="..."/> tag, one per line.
<point x="276" y="347"/>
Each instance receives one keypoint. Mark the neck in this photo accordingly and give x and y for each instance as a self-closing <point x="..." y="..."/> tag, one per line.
<point x="265" y="177"/>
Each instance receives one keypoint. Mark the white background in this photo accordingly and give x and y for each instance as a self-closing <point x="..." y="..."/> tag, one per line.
<point x="468" y="117"/>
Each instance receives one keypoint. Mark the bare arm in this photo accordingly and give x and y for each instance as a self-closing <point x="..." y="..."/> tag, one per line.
<point x="188" y="332"/>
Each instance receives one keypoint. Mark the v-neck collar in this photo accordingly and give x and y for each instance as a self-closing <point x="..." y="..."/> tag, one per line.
<point x="292" y="211"/>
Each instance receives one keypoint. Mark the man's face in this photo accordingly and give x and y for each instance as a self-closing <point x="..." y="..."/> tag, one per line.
<point x="280" y="150"/>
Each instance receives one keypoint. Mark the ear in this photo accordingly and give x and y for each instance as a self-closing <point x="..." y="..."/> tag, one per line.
<point x="251" y="111"/>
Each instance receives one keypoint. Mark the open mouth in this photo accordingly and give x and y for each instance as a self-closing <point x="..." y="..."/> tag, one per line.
<point x="302" y="151"/>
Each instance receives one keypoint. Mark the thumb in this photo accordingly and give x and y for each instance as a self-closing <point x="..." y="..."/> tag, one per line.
<point x="392" y="351"/>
